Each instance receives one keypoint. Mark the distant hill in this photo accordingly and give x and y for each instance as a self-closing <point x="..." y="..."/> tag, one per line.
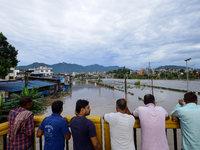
<point x="171" y="67"/>
<point x="69" y="68"/>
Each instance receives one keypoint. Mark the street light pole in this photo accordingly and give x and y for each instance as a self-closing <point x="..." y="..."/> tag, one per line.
<point x="187" y="72"/>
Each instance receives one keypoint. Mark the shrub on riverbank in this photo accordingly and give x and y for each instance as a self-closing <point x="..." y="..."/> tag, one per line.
<point x="14" y="103"/>
<point x="137" y="83"/>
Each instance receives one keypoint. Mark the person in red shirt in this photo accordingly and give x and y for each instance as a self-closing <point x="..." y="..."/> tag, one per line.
<point x="21" y="126"/>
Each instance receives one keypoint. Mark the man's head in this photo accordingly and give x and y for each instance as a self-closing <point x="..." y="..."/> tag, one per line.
<point x="57" y="107"/>
<point x="190" y="97"/>
<point x="82" y="107"/>
<point x="121" y="105"/>
<point x="26" y="102"/>
<point x="148" y="98"/>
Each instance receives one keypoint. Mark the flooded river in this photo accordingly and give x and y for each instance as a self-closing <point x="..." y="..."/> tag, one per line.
<point x="102" y="100"/>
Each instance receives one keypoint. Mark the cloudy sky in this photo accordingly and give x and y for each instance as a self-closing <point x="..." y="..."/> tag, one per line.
<point x="128" y="33"/>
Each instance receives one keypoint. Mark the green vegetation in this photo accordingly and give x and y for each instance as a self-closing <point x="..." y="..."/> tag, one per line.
<point x="8" y="56"/>
<point x="13" y="104"/>
<point x="97" y="80"/>
<point x="79" y="75"/>
<point x="137" y="82"/>
<point x="119" y="74"/>
<point x="170" y="76"/>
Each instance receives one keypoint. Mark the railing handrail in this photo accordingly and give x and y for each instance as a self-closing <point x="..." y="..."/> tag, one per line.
<point x="169" y="124"/>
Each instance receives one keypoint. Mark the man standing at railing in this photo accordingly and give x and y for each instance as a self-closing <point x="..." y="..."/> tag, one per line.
<point x="54" y="128"/>
<point x="83" y="130"/>
<point x="152" y="122"/>
<point x="121" y="127"/>
<point x="189" y="121"/>
<point x="21" y="126"/>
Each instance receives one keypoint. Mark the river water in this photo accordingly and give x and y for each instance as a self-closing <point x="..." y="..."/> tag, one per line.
<point x="102" y="100"/>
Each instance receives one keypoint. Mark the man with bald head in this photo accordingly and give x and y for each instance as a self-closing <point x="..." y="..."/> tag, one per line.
<point x="121" y="127"/>
<point x="152" y="122"/>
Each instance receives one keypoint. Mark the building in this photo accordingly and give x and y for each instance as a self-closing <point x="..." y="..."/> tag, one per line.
<point x="42" y="71"/>
<point x="11" y="75"/>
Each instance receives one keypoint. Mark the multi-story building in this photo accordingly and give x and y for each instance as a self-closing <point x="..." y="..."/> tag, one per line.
<point x="11" y="75"/>
<point x="42" y="71"/>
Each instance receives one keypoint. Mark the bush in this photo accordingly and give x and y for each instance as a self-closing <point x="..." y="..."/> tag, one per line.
<point x="192" y="77"/>
<point x="170" y="76"/>
<point x="137" y="83"/>
<point x="37" y="101"/>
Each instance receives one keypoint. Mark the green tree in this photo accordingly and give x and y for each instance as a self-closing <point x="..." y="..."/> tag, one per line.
<point x="182" y="70"/>
<point x="8" y="56"/>
<point x="195" y="71"/>
<point x="170" y="76"/>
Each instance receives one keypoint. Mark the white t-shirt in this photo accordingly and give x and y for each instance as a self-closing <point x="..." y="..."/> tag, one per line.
<point x="121" y="130"/>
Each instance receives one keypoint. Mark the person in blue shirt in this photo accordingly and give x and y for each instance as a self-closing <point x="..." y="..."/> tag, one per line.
<point x="188" y="115"/>
<point x="54" y="128"/>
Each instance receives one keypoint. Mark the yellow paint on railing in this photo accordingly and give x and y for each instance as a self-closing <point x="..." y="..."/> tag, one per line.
<point x="3" y="128"/>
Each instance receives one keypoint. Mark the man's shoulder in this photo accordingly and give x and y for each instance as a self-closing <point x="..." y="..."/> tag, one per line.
<point x="141" y="107"/>
<point x="110" y="114"/>
<point x="159" y="107"/>
<point x="14" y="111"/>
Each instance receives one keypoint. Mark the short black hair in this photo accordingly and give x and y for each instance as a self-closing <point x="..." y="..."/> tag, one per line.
<point x="25" y="100"/>
<point x="190" y="97"/>
<point x="149" y="98"/>
<point x="81" y="103"/>
<point x="121" y="103"/>
<point x="56" y="106"/>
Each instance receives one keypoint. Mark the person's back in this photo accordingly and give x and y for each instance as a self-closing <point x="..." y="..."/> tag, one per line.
<point x="121" y="127"/>
<point x="121" y="130"/>
<point x="152" y="121"/>
<point x="189" y="121"/>
<point x="54" y="126"/>
<point x="21" y="126"/>
<point x="55" y="129"/>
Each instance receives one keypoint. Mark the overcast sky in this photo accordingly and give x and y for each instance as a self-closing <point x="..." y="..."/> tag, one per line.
<point x="128" y="33"/>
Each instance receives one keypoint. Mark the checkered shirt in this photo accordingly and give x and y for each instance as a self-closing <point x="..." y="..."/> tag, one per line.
<point x="22" y="140"/>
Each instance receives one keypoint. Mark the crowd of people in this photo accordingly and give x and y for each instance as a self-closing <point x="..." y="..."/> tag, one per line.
<point x="152" y="121"/>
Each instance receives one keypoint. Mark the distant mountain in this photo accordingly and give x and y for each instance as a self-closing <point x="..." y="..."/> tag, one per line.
<point x="171" y="67"/>
<point x="69" y="68"/>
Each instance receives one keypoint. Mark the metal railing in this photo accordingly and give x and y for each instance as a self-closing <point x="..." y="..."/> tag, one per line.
<point x="98" y="124"/>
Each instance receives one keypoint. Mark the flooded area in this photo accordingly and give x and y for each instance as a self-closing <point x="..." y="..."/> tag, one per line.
<point x="102" y="99"/>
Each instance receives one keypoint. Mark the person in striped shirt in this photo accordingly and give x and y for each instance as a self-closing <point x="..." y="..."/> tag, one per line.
<point x="21" y="126"/>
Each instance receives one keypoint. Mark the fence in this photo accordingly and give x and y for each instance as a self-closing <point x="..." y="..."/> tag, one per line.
<point x="98" y="124"/>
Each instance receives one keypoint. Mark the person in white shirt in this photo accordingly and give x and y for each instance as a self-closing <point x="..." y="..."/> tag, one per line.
<point x="121" y="127"/>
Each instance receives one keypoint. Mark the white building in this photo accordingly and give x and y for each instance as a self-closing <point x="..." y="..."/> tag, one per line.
<point x="42" y="70"/>
<point x="11" y="75"/>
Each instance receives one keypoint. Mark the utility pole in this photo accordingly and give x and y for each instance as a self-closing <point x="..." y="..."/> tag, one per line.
<point x="151" y="78"/>
<point x="125" y="79"/>
<point x="26" y="81"/>
<point x="187" y="72"/>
